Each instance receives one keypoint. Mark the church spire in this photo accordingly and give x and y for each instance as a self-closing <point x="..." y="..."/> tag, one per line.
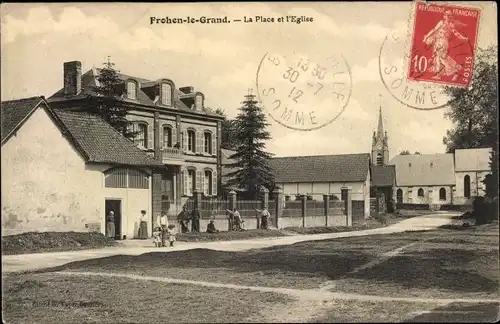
<point x="380" y="129"/>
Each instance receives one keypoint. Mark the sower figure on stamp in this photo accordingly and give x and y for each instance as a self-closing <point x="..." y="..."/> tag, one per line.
<point x="439" y="38"/>
<point x="264" y="217"/>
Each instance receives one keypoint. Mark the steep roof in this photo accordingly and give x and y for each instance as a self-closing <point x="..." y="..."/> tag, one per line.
<point x="15" y="112"/>
<point x="383" y="175"/>
<point x="89" y="80"/>
<point x="321" y="168"/>
<point x="424" y="169"/>
<point x="472" y="159"/>
<point x="99" y="142"/>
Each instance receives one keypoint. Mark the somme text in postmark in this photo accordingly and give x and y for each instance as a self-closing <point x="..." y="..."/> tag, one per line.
<point x="437" y="51"/>
<point x="303" y="92"/>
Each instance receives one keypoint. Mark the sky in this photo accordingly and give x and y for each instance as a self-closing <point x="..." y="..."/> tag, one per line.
<point x="221" y="60"/>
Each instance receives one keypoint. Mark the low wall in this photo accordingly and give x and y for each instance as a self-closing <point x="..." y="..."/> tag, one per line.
<point x="358" y="211"/>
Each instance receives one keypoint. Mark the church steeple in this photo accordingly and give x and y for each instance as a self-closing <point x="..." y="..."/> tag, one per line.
<point x="380" y="147"/>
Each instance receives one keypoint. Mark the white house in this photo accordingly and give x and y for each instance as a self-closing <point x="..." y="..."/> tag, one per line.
<point x="319" y="175"/>
<point x="64" y="171"/>
<point x="443" y="178"/>
<point x="471" y="166"/>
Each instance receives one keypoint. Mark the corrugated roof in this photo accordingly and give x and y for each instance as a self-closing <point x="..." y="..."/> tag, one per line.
<point x="383" y="175"/>
<point x="424" y="169"/>
<point x="477" y="159"/>
<point x="100" y="142"/>
<point x="89" y="80"/>
<point x="15" y="112"/>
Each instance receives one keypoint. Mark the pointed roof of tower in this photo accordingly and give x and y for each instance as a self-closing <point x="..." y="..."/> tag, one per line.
<point x="380" y="129"/>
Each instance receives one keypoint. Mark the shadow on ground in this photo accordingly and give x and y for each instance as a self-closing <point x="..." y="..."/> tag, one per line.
<point x="434" y="268"/>
<point x="459" y="313"/>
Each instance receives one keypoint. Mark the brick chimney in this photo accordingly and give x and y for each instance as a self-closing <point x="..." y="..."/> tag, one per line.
<point x="187" y="90"/>
<point x="72" y="78"/>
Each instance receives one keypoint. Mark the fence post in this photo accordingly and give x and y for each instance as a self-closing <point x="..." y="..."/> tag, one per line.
<point x="303" y="199"/>
<point x="326" y="201"/>
<point x="280" y="204"/>
<point x="349" y="206"/>
<point x="232" y="206"/>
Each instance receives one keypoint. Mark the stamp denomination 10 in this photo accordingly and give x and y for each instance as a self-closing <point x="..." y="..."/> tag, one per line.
<point x="302" y="92"/>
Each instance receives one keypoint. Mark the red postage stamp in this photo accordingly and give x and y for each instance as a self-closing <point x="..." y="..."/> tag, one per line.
<point x="443" y="44"/>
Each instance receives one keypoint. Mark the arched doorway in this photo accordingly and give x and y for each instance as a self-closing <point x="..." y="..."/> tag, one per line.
<point x="467" y="186"/>
<point x="399" y="196"/>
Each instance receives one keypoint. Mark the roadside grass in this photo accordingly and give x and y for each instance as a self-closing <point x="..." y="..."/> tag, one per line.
<point x="349" y="311"/>
<point x="228" y="236"/>
<point x="38" y="242"/>
<point x="51" y="298"/>
<point x="446" y="264"/>
<point x="301" y="265"/>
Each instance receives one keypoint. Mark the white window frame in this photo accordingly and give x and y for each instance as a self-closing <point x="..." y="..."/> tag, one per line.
<point x="207" y="182"/>
<point x="191" y="144"/>
<point x="207" y="142"/>
<point x="131" y="90"/>
<point x="198" y="102"/>
<point x="166" y="100"/>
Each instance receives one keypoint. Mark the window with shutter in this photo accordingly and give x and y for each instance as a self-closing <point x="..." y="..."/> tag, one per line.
<point x="198" y="180"/>
<point x="204" y="184"/>
<point x="199" y="136"/>
<point x="214" y="145"/>
<point x="185" y="184"/>
<point x="167" y="136"/>
<point x="184" y="140"/>
<point x="199" y="102"/>
<point x="214" y="183"/>
<point x="166" y="94"/>
<point x="191" y="143"/>
<point x="131" y="90"/>
<point x="207" y="143"/>
<point x="150" y="139"/>
<point x="174" y="136"/>
<point x="141" y="138"/>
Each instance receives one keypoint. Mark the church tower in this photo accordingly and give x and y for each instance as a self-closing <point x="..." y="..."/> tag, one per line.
<point x="380" y="147"/>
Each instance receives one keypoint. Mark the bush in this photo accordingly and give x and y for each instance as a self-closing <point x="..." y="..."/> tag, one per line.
<point x="485" y="210"/>
<point x="382" y="218"/>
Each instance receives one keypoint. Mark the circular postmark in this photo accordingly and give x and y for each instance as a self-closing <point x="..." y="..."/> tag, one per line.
<point x="417" y="75"/>
<point x="303" y="92"/>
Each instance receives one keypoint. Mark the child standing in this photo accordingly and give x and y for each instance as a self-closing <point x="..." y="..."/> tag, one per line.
<point x="157" y="237"/>
<point x="171" y="234"/>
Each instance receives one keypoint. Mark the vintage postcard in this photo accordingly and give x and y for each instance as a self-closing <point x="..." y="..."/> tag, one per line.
<point x="240" y="162"/>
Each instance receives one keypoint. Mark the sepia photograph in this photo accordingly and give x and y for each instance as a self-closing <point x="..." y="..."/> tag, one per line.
<point x="250" y="162"/>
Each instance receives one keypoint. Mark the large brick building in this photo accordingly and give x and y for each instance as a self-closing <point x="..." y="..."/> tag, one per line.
<point x="173" y="125"/>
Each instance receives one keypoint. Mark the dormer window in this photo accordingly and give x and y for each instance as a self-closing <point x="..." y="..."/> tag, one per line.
<point x="131" y="90"/>
<point x="166" y="94"/>
<point x="198" y="103"/>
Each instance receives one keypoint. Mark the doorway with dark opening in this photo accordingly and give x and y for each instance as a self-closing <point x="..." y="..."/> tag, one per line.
<point x="115" y="205"/>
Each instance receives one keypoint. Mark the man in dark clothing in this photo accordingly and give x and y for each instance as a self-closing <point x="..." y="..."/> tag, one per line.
<point x="211" y="227"/>
<point x="182" y="219"/>
<point x="195" y="220"/>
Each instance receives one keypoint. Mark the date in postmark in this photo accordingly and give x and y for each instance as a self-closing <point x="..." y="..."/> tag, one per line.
<point x="303" y="92"/>
<point x="443" y="44"/>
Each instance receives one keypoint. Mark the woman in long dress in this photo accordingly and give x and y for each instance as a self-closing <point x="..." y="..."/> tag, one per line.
<point x="110" y="224"/>
<point x="439" y="38"/>
<point x="143" y="226"/>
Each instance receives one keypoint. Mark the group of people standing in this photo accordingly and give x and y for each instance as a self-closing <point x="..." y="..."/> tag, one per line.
<point x="163" y="230"/>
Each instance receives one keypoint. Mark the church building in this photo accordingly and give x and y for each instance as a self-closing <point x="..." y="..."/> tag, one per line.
<point x="435" y="179"/>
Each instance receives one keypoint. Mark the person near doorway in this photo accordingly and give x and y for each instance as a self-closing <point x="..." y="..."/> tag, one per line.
<point x="264" y="217"/>
<point x="211" y="227"/>
<point x="195" y="220"/>
<point x="110" y="224"/>
<point x="163" y="224"/>
<point x="143" y="226"/>
<point x="182" y="218"/>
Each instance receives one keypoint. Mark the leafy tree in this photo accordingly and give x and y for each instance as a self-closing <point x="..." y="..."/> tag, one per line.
<point x="405" y="152"/>
<point x="475" y="113"/>
<point x="229" y="139"/>
<point x="105" y="100"/>
<point x="252" y="168"/>
<point x="474" y="110"/>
